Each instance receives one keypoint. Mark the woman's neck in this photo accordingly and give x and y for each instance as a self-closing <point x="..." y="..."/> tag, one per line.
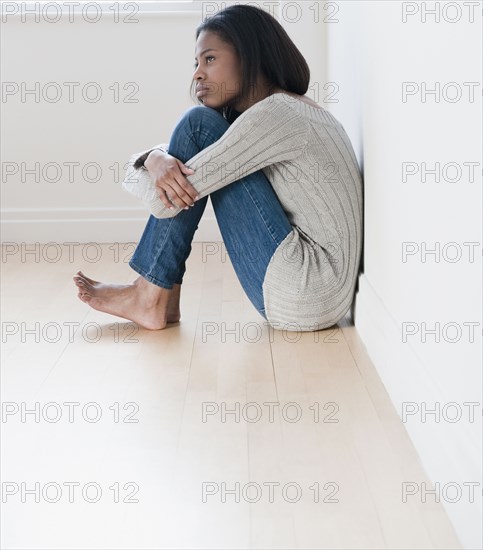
<point x="263" y="90"/>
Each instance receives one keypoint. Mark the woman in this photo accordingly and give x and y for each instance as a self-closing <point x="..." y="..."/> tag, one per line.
<point x="282" y="176"/>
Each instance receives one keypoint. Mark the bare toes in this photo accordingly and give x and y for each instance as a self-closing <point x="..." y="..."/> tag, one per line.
<point x="84" y="283"/>
<point x="85" y="287"/>
<point x="88" y="287"/>
<point x="90" y="281"/>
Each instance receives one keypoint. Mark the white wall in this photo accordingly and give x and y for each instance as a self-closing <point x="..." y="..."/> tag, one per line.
<point x="155" y="54"/>
<point x="154" y="59"/>
<point x="371" y="53"/>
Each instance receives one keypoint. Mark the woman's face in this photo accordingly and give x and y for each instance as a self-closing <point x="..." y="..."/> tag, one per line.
<point x="218" y="71"/>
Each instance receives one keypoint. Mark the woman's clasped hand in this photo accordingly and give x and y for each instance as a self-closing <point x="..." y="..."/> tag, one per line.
<point x="168" y="175"/>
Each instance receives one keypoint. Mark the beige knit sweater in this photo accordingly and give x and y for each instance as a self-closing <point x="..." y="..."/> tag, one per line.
<point x="307" y="156"/>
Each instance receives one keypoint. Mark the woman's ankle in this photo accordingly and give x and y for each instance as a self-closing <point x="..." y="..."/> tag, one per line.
<point x="150" y="293"/>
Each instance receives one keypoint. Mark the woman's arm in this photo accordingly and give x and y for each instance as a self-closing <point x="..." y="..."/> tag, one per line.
<point x="144" y="168"/>
<point x="168" y="173"/>
<point x="269" y="132"/>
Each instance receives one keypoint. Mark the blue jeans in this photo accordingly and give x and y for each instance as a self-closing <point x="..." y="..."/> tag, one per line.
<point x="249" y="214"/>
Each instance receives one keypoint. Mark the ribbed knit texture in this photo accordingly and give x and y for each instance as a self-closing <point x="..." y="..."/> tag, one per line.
<point x="307" y="156"/>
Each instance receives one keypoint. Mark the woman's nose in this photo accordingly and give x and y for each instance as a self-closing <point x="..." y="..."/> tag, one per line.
<point x="197" y="74"/>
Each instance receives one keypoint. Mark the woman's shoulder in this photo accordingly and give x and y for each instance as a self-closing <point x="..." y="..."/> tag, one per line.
<point x="308" y="109"/>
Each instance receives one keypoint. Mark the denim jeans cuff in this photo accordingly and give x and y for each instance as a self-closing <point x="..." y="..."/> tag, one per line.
<point x="150" y="278"/>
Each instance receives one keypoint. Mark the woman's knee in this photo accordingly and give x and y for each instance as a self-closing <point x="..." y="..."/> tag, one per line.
<point x="198" y="116"/>
<point x="200" y="120"/>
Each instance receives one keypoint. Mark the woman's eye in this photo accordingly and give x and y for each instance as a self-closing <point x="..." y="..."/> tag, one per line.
<point x="207" y="57"/>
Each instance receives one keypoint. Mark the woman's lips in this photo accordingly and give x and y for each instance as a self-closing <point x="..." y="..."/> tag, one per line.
<point x="201" y="92"/>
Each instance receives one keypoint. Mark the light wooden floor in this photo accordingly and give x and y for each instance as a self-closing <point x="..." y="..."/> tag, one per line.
<point x="357" y="454"/>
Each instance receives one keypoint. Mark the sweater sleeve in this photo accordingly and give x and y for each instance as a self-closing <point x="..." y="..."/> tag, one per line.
<point x="137" y="180"/>
<point x="269" y="132"/>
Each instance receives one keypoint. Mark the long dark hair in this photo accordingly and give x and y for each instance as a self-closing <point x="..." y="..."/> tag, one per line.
<point x="263" y="48"/>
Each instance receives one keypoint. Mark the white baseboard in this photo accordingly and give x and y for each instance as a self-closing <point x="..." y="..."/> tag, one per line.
<point x="446" y="454"/>
<point x="84" y="225"/>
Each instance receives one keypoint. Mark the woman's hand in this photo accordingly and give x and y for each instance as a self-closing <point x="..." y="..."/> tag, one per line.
<point x="167" y="172"/>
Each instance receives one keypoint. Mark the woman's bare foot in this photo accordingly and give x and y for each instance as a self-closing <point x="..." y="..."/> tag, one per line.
<point x="146" y="304"/>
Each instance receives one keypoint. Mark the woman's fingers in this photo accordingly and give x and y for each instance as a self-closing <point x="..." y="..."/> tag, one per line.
<point x="164" y="198"/>
<point x="185" y="183"/>
<point x="175" y="193"/>
<point x="182" y="194"/>
<point x="173" y="186"/>
<point x="184" y="190"/>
